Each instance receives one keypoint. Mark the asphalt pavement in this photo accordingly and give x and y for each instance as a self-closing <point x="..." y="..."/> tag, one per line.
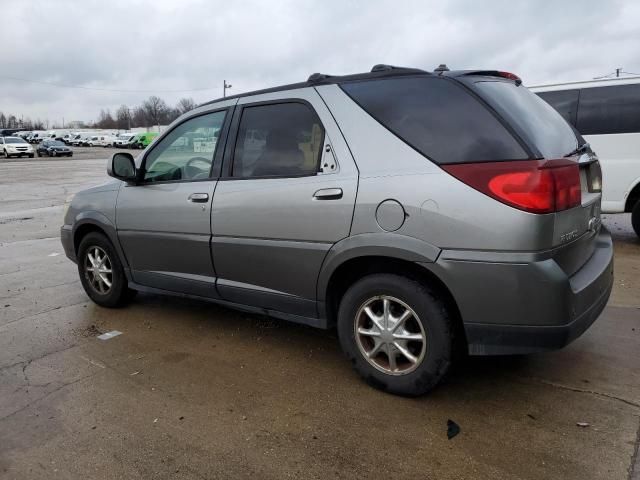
<point x="194" y="390"/>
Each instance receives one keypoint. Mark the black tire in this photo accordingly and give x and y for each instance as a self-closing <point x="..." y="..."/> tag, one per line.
<point x="6" y="155"/>
<point x="31" y="155"/>
<point x="54" y="153"/>
<point x="119" y="293"/>
<point x="39" y="154"/>
<point x="432" y="315"/>
<point x="635" y="218"/>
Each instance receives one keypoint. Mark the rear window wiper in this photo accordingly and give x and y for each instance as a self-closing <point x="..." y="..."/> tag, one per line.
<point x="581" y="149"/>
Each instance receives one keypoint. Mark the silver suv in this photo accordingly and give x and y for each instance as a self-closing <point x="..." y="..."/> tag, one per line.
<point x="417" y="212"/>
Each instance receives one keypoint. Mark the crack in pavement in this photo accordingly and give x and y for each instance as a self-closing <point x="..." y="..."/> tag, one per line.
<point x="28" y="361"/>
<point x="584" y="390"/>
<point x="64" y="385"/>
<point x="30" y="315"/>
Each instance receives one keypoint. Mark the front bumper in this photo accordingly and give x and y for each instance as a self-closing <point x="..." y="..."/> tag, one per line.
<point x="517" y="308"/>
<point x="66" y="238"/>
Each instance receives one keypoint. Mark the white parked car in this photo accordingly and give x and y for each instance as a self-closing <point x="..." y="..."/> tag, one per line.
<point x="15" y="147"/>
<point x="607" y="114"/>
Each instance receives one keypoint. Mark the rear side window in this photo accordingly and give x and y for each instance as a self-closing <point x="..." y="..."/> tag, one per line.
<point x="565" y="103"/>
<point x="613" y="109"/>
<point x="283" y="140"/>
<point x="534" y="119"/>
<point x="438" y="118"/>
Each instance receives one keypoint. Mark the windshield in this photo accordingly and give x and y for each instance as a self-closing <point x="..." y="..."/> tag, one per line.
<point x="13" y="140"/>
<point x="534" y="119"/>
<point x="55" y="143"/>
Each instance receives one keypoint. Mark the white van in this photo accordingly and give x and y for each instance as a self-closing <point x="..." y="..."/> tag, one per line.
<point x="607" y="114"/>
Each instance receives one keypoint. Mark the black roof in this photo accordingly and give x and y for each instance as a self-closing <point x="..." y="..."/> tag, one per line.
<point x="378" y="71"/>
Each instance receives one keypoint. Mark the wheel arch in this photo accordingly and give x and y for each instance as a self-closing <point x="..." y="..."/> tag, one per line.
<point x="361" y="255"/>
<point x="633" y="197"/>
<point x="355" y="268"/>
<point x="92" y="221"/>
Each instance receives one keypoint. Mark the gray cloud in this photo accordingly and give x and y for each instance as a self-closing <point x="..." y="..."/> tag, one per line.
<point x="161" y="45"/>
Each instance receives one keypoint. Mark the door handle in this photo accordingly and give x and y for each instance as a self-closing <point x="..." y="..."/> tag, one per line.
<point x="199" y="197"/>
<point x="328" y="194"/>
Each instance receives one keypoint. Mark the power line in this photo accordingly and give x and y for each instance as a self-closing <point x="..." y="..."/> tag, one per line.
<point x="82" y="87"/>
<point x="616" y="74"/>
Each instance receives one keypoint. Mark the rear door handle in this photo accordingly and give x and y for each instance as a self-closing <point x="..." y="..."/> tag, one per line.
<point x="328" y="194"/>
<point x="199" y="197"/>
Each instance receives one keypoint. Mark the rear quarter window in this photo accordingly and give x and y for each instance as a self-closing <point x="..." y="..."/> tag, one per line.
<point x="535" y="120"/>
<point x="437" y="117"/>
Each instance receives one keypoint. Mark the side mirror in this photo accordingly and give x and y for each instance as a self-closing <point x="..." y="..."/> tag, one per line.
<point x="122" y="167"/>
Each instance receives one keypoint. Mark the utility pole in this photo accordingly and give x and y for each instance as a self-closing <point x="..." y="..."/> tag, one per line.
<point x="618" y="71"/>
<point x="225" y="86"/>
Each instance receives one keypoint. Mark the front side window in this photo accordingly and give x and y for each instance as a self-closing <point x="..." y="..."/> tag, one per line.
<point x="283" y="139"/>
<point x="187" y="152"/>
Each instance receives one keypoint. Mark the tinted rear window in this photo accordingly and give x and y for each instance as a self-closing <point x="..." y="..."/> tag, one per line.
<point x="437" y="117"/>
<point x="534" y="119"/>
<point x="613" y="109"/>
<point x="564" y="101"/>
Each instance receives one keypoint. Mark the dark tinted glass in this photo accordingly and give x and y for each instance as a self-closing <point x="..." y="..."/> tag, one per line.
<point x="283" y="139"/>
<point x="534" y="119"/>
<point x="564" y="101"/>
<point x="614" y="109"/>
<point x="437" y="117"/>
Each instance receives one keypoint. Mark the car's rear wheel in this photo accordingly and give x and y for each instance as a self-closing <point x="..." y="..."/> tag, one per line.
<point x="397" y="333"/>
<point x="101" y="271"/>
<point x="635" y="218"/>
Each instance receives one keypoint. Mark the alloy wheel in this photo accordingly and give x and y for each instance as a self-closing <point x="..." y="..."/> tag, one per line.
<point x="389" y="335"/>
<point x="98" y="270"/>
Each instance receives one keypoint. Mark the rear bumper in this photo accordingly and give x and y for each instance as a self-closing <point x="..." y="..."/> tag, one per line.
<point x="517" y="308"/>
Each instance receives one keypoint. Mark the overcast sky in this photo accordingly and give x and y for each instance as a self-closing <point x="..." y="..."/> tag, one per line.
<point x="156" y="46"/>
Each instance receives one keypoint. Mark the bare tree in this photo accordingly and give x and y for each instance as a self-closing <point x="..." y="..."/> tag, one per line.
<point x="184" y="105"/>
<point x="139" y="118"/>
<point x="123" y="117"/>
<point x="3" y="120"/>
<point x="105" y="120"/>
<point x="156" y="110"/>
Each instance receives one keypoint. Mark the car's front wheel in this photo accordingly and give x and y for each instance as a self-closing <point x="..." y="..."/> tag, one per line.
<point x="397" y="333"/>
<point x="101" y="271"/>
<point x="6" y="155"/>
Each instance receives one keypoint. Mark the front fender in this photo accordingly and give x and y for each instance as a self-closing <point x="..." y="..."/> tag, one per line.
<point x="380" y="244"/>
<point x="102" y="222"/>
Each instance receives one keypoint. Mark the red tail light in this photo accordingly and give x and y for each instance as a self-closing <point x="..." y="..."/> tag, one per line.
<point x="536" y="186"/>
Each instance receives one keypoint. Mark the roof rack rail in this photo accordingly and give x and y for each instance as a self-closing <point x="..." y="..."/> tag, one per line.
<point x="316" y="77"/>
<point x="381" y="67"/>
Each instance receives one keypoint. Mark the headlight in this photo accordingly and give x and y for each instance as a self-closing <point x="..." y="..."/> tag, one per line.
<point x="67" y="204"/>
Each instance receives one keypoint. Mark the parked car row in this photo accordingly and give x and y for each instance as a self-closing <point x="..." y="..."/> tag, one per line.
<point x="90" y="139"/>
